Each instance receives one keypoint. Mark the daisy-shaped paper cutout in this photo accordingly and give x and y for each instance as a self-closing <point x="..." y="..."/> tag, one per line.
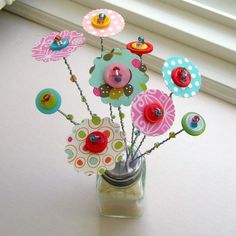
<point x="193" y="123"/>
<point x="48" y="101"/>
<point x="95" y="145"/>
<point x="152" y="112"/>
<point x="103" y="22"/>
<point x="118" y="76"/>
<point x="140" y="47"/>
<point x="181" y="76"/>
<point x="57" y="45"/>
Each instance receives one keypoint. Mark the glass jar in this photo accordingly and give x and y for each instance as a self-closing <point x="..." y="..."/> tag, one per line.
<point x="120" y="192"/>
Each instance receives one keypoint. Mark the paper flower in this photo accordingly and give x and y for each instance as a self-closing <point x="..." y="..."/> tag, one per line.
<point x="140" y="47"/>
<point x="103" y="22"/>
<point x="152" y="112"/>
<point x="48" y="101"/>
<point x="95" y="145"/>
<point x="117" y="77"/>
<point x="181" y="76"/>
<point x="57" y="45"/>
<point x="193" y="123"/>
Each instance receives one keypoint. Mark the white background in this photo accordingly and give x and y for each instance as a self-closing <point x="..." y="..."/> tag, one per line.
<point x="190" y="188"/>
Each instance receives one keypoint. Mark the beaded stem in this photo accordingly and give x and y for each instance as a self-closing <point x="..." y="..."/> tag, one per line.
<point x="80" y="90"/>
<point x="123" y="129"/>
<point x="66" y="116"/>
<point x="139" y="146"/>
<point x="157" y="146"/>
<point x="111" y="112"/>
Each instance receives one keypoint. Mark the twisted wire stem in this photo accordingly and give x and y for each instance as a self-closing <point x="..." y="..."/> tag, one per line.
<point x="139" y="146"/>
<point x="123" y="129"/>
<point x="155" y="147"/>
<point x="80" y="90"/>
<point x="111" y="112"/>
<point x="64" y="114"/>
<point x="132" y="145"/>
<point x="68" y="66"/>
<point x="171" y="95"/>
<point x="132" y="134"/>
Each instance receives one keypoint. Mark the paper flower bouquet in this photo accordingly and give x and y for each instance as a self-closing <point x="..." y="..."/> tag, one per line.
<point x="99" y="145"/>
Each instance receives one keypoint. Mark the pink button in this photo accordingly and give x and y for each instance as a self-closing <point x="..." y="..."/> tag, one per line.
<point x="117" y="75"/>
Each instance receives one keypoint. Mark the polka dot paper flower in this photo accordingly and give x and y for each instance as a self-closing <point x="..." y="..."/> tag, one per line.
<point x="181" y="76"/>
<point x="117" y="77"/>
<point x="57" y="45"/>
<point x="95" y="145"/>
<point x="103" y="22"/>
<point x="152" y="112"/>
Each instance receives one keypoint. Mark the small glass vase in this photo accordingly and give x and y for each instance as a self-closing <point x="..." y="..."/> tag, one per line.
<point x="120" y="192"/>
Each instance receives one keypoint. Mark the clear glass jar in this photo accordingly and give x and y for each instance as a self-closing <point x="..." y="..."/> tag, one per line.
<point x="120" y="192"/>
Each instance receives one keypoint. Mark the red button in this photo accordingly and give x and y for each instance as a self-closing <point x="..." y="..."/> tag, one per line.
<point x="181" y="76"/>
<point x="117" y="75"/>
<point x="153" y="112"/>
<point x="95" y="142"/>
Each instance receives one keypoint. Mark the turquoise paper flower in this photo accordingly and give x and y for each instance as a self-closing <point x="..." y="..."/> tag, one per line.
<point x="118" y="76"/>
<point x="191" y="82"/>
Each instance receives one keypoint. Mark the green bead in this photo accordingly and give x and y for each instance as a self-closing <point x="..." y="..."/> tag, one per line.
<point x="70" y="117"/>
<point x="113" y="116"/>
<point x="83" y="99"/>
<point x="172" y="134"/>
<point x="156" y="145"/>
<point x="137" y="132"/>
<point x="122" y="115"/>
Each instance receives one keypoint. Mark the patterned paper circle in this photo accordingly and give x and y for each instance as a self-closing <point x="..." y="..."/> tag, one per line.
<point x="116" y="23"/>
<point x="188" y="124"/>
<point x="118" y="96"/>
<point x="146" y="98"/>
<point x="42" y="52"/>
<point x="89" y="162"/>
<point x="176" y="61"/>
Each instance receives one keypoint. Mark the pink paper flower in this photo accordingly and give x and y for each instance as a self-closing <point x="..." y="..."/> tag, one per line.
<point x="152" y="112"/>
<point x="42" y="52"/>
<point x="115" y="25"/>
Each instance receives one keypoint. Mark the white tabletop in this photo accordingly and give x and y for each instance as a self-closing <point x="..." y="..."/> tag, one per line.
<point x="190" y="185"/>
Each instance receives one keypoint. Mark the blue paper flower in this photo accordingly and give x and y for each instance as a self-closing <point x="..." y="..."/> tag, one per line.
<point x="125" y="70"/>
<point x="190" y="79"/>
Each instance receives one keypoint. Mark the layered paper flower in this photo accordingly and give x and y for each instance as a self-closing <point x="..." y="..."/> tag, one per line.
<point x="181" y="76"/>
<point x="48" y="101"/>
<point x="193" y="123"/>
<point x="95" y="145"/>
<point x="152" y="112"/>
<point x="103" y="22"/>
<point x="118" y="76"/>
<point x="57" y="45"/>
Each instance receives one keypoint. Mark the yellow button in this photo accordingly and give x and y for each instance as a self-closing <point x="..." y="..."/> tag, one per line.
<point x="48" y="100"/>
<point x="139" y="46"/>
<point x="102" y="24"/>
